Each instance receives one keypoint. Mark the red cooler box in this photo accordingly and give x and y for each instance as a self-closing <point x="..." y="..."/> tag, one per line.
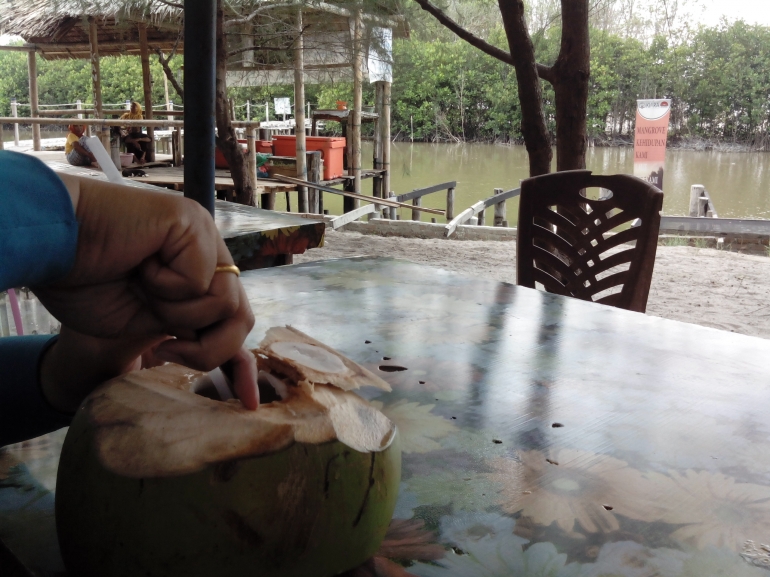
<point x="332" y="151"/>
<point x="265" y="146"/>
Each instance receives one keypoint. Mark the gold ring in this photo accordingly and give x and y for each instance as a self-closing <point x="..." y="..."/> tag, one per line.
<point x="228" y="268"/>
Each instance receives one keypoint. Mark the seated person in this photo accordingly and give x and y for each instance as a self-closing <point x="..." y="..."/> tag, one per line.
<point x="76" y="148"/>
<point x="136" y="141"/>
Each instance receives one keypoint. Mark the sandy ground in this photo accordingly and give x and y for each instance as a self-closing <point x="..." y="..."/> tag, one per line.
<point x="708" y="287"/>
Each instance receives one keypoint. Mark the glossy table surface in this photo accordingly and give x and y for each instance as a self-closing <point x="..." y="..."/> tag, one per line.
<point x="542" y="436"/>
<point x="249" y="232"/>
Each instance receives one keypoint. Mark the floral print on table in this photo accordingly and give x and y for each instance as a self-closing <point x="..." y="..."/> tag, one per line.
<point x="542" y="436"/>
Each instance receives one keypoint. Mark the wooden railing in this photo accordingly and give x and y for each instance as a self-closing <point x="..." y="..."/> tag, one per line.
<point x="416" y="197"/>
<point x="477" y="210"/>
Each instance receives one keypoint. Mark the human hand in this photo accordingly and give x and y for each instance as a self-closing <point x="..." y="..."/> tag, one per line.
<point x="144" y="269"/>
<point x="76" y="364"/>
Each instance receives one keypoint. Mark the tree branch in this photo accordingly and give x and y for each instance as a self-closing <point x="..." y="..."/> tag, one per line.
<point x="250" y="17"/>
<point x="170" y="73"/>
<point x="262" y="48"/>
<point x="470" y="38"/>
<point x="172" y="4"/>
<point x="543" y="71"/>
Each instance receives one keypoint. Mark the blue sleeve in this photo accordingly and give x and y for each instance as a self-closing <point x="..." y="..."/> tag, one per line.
<point x="24" y="412"/>
<point x="38" y="239"/>
<point x="38" y="229"/>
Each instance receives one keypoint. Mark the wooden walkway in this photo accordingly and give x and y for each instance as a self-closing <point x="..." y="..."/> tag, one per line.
<point x="173" y="177"/>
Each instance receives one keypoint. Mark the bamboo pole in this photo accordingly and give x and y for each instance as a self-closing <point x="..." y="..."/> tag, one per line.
<point x="385" y="135"/>
<point x="147" y="85"/>
<point x="32" y="66"/>
<point x="299" y="114"/>
<point x="251" y="136"/>
<point x="355" y="128"/>
<point x="96" y="75"/>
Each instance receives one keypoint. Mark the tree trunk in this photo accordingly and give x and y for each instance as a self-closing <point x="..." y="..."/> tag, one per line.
<point x="533" y="125"/>
<point x="227" y="142"/>
<point x="570" y="82"/>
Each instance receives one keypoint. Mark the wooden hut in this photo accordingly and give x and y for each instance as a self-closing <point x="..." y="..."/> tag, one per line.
<point x="325" y="38"/>
<point x="61" y="29"/>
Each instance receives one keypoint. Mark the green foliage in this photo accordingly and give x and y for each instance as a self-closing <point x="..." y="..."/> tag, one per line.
<point x="444" y="89"/>
<point x="66" y="81"/>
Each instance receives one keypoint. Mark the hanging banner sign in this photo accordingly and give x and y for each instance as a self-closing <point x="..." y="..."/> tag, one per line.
<point x="650" y="140"/>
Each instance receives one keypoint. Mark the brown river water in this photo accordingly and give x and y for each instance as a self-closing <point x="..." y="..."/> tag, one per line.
<point x="738" y="182"/>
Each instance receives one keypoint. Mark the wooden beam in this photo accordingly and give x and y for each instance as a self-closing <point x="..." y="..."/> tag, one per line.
<point x="147" y="85"/>
<point x="417" y="193"/>
<point x="384" y="202"/>
<point x="299" y="114"/>
<point x="24" y="48"/>
<point x="355" y="125"/>
<point x="349" y="217"/>
<point x="33" y="99"/>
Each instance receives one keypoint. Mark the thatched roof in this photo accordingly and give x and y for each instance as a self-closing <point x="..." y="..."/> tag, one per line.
<point x="60" y="28"/>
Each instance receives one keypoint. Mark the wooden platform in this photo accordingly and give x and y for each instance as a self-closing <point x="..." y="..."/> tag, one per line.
<point x="173" y="177"/>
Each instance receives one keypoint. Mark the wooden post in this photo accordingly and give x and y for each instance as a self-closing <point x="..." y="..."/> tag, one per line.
<point x="416" y="202"/>
<point x="15" y="114"/>
<point x="313" y="175"/>
<point x="176" y="147"/>
<point x="355" y="128"/>
<point x="450" y="204"/>
<point x="2" y="138"/>
<point x="499" y="209"/>
<point x="147" y="85"/>
<point x="96" y="77"/>
<point x="377" y="144"/>
<point x="264" y="134"/>
<point x="33" y="110"/>
<point x="696" y="191"/>
<point x="299" y="114"/>
<point x="288" y="202"/>
<point x="385" y="135"/>
<point x="393" y="209"/>
<point x="169" y="104"/>
<point x="481" y="218"/>
<point x="251" y="144"/>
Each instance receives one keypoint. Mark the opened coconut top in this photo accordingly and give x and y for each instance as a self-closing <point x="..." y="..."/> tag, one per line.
<point x="305" y="361"/>
<point x="155" y="422"/>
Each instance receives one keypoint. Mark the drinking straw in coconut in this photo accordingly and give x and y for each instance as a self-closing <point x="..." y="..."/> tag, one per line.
<point x="16" y="311"/>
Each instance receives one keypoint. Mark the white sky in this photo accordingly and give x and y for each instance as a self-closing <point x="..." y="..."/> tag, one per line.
<point x="752" y="11"/>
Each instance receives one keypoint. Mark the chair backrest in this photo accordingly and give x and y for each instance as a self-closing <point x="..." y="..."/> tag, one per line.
<point x="564" y="239"/>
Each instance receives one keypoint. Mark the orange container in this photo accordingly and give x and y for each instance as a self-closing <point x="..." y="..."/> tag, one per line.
<point x="219" y="159"/>
<point x="265" y="146"/>
<point x="332" y="151"/>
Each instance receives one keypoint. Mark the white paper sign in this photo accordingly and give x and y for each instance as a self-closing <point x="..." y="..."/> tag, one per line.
<point x="380" y="59"/>
<point x="282" y="106"/>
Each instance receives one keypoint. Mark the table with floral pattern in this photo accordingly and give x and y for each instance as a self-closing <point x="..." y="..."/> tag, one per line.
<point x="542" y="436"/>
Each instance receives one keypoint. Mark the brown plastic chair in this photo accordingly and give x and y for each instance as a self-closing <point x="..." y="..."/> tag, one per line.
<point x="563" y="237"/>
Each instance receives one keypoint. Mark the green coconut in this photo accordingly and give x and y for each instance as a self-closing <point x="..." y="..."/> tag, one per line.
<point x="158" y="479"/>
